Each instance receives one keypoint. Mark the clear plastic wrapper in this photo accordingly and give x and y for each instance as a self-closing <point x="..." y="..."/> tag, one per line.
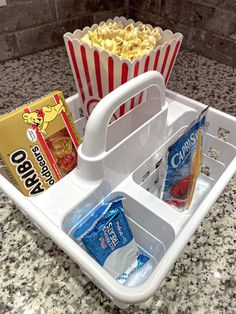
<point x="137" y="273"/>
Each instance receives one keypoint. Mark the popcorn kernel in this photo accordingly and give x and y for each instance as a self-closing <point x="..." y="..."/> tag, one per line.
<point x="129" y="41"/>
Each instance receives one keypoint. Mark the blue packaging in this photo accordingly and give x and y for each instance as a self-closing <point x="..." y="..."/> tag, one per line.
<point x="180" y="166"/>
<point x="139" y="262"/>
<point x="107" y="237"/>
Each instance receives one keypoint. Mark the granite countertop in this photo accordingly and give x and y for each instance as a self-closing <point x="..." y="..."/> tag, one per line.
<point x="37" y="277"/>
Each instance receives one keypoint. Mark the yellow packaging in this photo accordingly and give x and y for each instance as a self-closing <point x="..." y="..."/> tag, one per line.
<point x="38" y="143"/>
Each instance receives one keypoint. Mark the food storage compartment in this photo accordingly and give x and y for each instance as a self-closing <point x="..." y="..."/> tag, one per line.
<point x="129" y="164"/>
<point x="152" y="234"/>
<point x="218" y="153"/>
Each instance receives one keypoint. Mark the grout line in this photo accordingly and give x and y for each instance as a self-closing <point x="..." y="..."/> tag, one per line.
<point x="18" y="44"/>
<point x="56" y="9"/>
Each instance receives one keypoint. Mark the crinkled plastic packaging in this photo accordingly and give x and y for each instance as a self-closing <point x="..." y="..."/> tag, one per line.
<point x="107" y="237"/>
<point x="181" y="165"/>
<point x="137" y="273"/>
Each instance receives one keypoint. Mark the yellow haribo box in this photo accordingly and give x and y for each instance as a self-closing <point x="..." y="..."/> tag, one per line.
<point x="107" y="55"/>
<point x="38" y="143"/>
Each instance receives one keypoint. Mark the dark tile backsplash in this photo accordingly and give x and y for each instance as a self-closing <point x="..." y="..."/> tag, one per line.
<point x="29" y="26"/>
<point x="208" y="26"/>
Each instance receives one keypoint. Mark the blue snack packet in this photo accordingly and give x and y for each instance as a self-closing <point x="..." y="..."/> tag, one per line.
<point x="137" y="264"/>
<point x="107" y="237"/>
<point x="180" y="166"/>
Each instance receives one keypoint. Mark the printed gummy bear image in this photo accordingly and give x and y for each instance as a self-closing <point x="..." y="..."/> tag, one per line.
<point x="63" y="151"/>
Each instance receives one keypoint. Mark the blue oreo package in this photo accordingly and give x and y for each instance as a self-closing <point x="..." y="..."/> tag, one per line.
<point x="181" y="164"/>
<point x="107" y="237"/>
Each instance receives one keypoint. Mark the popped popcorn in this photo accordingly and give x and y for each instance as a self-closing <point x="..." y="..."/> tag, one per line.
<point x="129" y="41"/>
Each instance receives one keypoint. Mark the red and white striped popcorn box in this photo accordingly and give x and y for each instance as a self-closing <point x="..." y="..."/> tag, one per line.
<point x="97" y="73"/>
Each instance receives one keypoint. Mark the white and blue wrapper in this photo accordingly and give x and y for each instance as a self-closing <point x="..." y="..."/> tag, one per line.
<point x="107" y="237"/>
<point x="137" y="264"/>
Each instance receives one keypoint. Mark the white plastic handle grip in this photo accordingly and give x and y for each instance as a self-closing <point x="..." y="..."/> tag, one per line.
<point x="94" y="143"/>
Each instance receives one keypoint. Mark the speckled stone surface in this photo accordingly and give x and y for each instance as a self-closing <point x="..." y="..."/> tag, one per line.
<point x="37" y="277"/>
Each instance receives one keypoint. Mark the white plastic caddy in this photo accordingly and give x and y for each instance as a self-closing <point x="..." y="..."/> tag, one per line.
<point x="123" y="158"/>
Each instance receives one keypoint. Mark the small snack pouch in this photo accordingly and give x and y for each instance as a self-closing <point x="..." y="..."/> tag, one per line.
<point x="181" y="164"/>
<point x="38" y="143"/>
<point x="107" y="237"/>
<point x="137" y="273"/>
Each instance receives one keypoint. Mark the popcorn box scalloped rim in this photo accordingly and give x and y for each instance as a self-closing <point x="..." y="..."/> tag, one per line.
<point x="97" y="72"/>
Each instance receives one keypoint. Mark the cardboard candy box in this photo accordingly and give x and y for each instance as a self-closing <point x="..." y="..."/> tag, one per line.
<point x="39" y="143"/>
<point x="97" y="72"/>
